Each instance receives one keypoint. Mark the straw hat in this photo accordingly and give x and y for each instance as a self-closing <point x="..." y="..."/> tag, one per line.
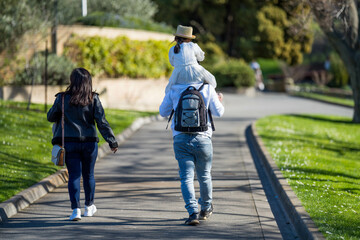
<point x="184" y="32"/>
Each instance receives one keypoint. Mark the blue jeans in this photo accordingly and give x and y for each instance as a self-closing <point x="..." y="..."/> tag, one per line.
<point x="80" y="158"/>
<point x="194" y="152"/>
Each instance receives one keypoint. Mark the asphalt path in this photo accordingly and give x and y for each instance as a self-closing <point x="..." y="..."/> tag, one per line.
<point x="138" y="189"/>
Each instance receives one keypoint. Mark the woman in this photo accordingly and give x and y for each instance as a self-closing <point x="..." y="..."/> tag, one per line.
<point x="82" y="109"/>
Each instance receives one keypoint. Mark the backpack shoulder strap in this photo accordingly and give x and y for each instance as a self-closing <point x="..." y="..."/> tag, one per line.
<point x="171" y="114"/>
<point x="209" y="111"/>
<point x="202" y="86"/>
<point x="211" y="120"/>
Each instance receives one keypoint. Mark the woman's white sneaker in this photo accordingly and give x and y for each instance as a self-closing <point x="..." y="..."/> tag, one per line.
<point x="76" y="215"/>
<point x="90" y="210"/>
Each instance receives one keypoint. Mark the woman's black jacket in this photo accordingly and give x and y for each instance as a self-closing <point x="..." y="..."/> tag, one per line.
<point x="80" y="122"/>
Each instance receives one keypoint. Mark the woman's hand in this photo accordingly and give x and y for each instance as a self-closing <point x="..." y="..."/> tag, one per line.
<point x="114" y="150"/>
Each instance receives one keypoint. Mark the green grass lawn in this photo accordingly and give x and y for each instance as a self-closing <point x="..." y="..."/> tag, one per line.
<point x="337" y="100"/>
<point x="320" y="158"/>
<point x="269" y="66"/>
<point x="25" y="144"/>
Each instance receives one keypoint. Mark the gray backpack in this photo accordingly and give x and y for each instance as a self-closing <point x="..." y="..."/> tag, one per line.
<point x="191" y="114"/>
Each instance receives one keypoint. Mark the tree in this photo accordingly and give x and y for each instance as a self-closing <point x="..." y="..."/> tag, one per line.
<point x="16" y="18"/>
<point x="20" y="18"/>
<point x="339" y="20"/>
<point x="246" y="28"/>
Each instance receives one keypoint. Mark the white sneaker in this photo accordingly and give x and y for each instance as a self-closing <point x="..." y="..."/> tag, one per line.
<point x="90" y="210"/>
<point x="76" y="215"/>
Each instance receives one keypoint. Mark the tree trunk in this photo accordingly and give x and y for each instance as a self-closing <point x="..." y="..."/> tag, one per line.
<point x="229" y="23"/>
<point x="352" y="64"/>
<point x="353" y="68"/>
<point x="355" y="85"/>
<point x="346" y="44"/>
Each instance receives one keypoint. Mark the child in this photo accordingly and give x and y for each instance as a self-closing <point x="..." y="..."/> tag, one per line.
<point x="184" y="56"/>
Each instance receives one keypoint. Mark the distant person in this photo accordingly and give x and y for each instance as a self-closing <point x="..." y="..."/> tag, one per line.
<point x="258" y="75"/>
<point x="184" y="57"/>
<point x="194" y="151"/>
<point x="327" y="64"/>
<point x="82" y="109"/>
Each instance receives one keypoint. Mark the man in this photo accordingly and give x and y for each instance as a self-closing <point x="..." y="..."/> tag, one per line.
<point x="194" y="152"/>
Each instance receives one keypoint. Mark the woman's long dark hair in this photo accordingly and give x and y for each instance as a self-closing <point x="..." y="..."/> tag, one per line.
<point x="179" y="40"/>
<point x="80" y="88"/>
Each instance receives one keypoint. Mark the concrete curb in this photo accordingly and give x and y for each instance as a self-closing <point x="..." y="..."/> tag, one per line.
<point x="23" y="199"/>
<point x="300" y="219"/>
<point x="33" y="193"/>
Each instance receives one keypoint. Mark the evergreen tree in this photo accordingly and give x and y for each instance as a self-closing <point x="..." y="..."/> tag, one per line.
<point x="246" y="29"/>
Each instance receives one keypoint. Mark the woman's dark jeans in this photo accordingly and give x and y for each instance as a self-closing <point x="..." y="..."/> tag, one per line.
<point x="80" y="160"/>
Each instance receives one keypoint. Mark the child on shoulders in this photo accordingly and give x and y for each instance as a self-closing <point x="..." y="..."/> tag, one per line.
<point x="184" y="57"/>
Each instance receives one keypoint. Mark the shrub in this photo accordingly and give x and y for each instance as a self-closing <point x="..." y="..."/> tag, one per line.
<point x="144" y="9"/>
<point x="9" y="66"/>
<point x="269" y="66"/>
<point x="58" y="70"/>
<point x="234" y="73"/>
<point x="69" y="11"/>
<point x="213" y="54"/>
<point x="120" y="57"/>
<point x="115" y="20"/>
<point x="338" y="70"/>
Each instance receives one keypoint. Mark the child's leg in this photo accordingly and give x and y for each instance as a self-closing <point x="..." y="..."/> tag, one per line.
<point x="210" y="79"/>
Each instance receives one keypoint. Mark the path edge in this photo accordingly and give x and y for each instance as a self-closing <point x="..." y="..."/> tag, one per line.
<point x="301" y="220"/>
<point x="26" y="197"/>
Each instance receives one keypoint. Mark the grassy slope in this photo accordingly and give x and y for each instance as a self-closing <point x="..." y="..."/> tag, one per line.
<point x="25" y="144"/>
<point x="269" y="66"/>
<point x="320" y="157"/>
<point x="342" y="101"/>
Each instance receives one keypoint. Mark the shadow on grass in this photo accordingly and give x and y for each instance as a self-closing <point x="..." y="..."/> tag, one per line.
<point x="21" y="106"/>
<point x="323" y="172"/>
<point x="320" y="118"/>
<point x="337" y="146"/>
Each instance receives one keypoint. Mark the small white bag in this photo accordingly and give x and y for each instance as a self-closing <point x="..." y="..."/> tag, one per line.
<point x="58" y="155"/>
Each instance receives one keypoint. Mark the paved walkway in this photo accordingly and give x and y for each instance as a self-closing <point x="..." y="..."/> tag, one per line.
<point x="138" y="189"/>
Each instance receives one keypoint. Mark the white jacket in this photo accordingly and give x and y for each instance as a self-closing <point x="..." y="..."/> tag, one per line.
<point x="209" y="94"/>
<point x="187" y="70"/>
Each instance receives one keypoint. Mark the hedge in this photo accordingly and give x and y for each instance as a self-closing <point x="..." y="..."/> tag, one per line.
<point x="58" y="70"/>
<point x="234" y="73"/>
<point x="102" y="19"/>
<point x="338" y="70"/>
<point x="120" y="56"/>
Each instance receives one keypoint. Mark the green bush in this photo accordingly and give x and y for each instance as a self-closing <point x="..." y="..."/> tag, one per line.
<point x="144" y="9"/>
<point x="269" y="66"/>
<point x="9" y="66"/>
<point x="120" y="57"/>
<point x="69" y="11"/>
<point x="338" y="70"/>
<point x="58" y="70"/>
<point x="234" y="73"/>
<point x="213" y="54"/>
<point x="115" y="20"/>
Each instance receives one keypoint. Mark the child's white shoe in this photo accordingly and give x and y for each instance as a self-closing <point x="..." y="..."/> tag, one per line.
<point x="76" y="215"/>
<point x="90" y="210"/>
